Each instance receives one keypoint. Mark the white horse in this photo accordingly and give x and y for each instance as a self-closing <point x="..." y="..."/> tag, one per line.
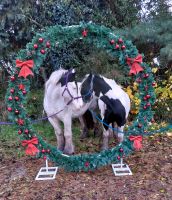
<point x="62" y="102"/>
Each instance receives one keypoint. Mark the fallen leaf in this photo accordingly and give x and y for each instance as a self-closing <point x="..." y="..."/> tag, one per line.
<point x="169" y="134"/>
<point x="162" y="190"/>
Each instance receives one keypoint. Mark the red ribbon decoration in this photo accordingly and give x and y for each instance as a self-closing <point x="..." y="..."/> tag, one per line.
<point x="135" y="64"/>
<point x="31" y="149"/>
<point x="25" y="67"/>
<point x="137" y="141"/>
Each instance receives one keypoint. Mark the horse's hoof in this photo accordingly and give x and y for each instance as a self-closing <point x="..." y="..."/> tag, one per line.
<point x="97" y="133"/>
<point x="68" y="151"/>
<point x="104" y="148"/>
<point x="82" y="137"/>
<point x="120" y="140"/>
<point x="60" y="148"/>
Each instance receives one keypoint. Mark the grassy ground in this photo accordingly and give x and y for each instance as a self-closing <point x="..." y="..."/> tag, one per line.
<point x="9" y="138"/>
<point x="151" y="167"/>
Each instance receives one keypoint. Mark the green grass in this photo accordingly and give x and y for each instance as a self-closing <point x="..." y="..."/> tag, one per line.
<point x="9" y="138"/>
<point x="10" y="144"/>
<point x="46" y="131"/>
<point x="90" y="144"/>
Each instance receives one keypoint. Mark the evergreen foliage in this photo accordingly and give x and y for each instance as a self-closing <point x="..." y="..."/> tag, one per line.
<point x="35" y="54"/>
<point x="155" y="9"/>
<point x="18" y="20"/>
<point x="154" y="38"/>
<point x="21" y="19"/>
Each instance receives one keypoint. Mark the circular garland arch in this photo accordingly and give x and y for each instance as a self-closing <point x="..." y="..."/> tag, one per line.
<point x="29" y="61"/>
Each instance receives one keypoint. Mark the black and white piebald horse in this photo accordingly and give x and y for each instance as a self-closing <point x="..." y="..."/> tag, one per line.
<point x="113" y="102"/>
<point x="62" y="102"/>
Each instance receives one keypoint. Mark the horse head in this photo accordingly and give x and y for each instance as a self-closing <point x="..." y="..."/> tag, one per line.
<point x="70" y="89"/>
<point x="87" y="88"/>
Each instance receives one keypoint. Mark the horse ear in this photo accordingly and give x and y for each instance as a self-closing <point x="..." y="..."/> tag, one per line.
<point x="61" y="79"/>
<point x="73" y="71"/>
<point x="69" y="76"/>
<point x="90" y="75"/>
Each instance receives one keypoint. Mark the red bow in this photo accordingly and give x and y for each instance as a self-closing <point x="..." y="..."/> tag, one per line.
<point x="134" y="63"/>
<point x="137" y="141"/>
<point x="31" y="149"/>
<point x="25" y="67"/>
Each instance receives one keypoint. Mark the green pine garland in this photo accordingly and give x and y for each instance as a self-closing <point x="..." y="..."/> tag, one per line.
<point x="55" y="38"/>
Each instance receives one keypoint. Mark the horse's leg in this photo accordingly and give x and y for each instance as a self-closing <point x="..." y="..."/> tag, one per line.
<point x="69" y="147"/>
<point x="102" y="107"/>
<point x="97" y="129"/>
<point x="84" y="128"/>
<point x="105" y="144"/>
<point x="58" y="131"/>
<point x="106" y="132"/>
<point x="120" y="134"/>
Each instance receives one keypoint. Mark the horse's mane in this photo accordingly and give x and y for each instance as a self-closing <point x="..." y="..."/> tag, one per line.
<point x="55" y="77"/>
<point x="86" y="87"/>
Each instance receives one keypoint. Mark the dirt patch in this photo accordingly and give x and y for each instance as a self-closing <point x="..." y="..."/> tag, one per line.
<point x="151" y="167"/>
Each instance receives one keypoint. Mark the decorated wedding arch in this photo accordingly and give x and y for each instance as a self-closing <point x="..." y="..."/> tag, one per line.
<point x="29" y="61"/>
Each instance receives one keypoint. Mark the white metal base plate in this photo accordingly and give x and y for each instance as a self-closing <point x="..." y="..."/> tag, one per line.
<point x="121" y="169"/>
<point x="46" y="173"/>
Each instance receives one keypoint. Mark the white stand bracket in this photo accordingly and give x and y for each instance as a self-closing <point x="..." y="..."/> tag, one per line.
<point x="46" y="173"/>
<point x="121" y="169"/>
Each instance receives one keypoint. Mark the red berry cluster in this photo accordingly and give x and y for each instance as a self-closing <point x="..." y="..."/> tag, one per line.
<point x="26" y="131"/>
<point x="13" y="96"/>
<point x="40" y="43"/>
<point x="139" y="125"/>
<point x="12" y="78"/>
<point x="45" y="150"/>
<point x="87" y="164"/>
<point x="147" y="97"/>
<point x="121" y="154"/>
<point x="119" y="44"/>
